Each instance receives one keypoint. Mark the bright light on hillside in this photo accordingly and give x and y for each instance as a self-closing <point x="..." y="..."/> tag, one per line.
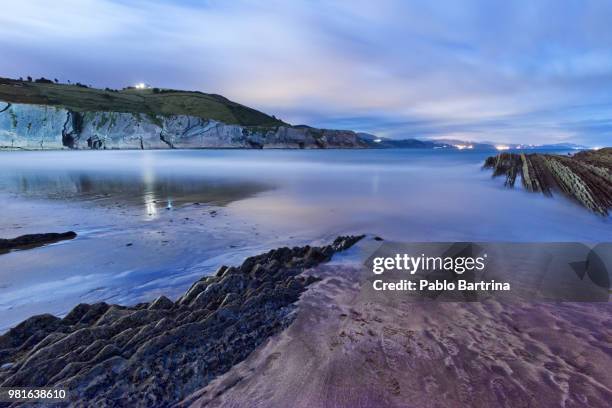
<point x="140" y="85"/>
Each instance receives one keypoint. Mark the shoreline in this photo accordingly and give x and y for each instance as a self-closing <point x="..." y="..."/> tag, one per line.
<point x="303" y="326"/>
<point x="352" y="346"/>
<point x="215" y="324"/>
<point x="98" y="266"/>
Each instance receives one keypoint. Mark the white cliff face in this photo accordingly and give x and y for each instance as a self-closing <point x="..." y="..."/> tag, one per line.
<point x="24" y="126"/>
<point x="31" y="126"/>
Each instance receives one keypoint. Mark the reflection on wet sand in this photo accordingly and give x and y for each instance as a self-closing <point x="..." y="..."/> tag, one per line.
<point x="142" y="234"/>
<point x="152" y="192"/>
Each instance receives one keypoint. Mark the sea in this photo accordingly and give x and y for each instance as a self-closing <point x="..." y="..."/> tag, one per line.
<point x="150" y="223"/>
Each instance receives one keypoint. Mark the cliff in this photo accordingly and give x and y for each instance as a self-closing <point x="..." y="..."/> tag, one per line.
<point x="25" y="126"/>
<point x="58" y="116"/>
<point x="585" y="177"/>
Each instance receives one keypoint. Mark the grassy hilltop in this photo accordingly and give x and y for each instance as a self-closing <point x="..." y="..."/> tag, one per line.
<point x="146" y="101"/>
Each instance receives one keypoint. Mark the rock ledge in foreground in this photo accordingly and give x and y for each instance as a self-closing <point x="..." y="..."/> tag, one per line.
<point x="155" y="354"/>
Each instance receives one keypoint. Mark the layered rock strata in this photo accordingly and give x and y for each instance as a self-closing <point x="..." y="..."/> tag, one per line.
<point x="585" y="177"/>
<point x="40" y="127"/>
<point x="155" y="354"/>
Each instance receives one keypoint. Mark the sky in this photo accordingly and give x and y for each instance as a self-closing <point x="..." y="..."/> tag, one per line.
<point x="483" y="70"/>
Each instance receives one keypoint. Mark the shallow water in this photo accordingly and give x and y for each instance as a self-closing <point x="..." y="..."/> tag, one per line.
<point x="187" y="212"/>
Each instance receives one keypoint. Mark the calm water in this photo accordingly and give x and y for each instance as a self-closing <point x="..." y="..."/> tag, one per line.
<point x="152" y="222"/>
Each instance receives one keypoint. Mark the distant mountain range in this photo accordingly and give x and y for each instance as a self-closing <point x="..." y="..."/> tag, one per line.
<point x="383" y="142"/>
<point x="463" y="144"/>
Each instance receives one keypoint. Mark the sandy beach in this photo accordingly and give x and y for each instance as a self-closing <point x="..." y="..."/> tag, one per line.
<point x="351" y="346"/>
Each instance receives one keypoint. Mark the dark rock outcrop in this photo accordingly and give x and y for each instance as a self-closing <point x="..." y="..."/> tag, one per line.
<point x="155" y="354"/>
<point x="585" y="177"/>
<point x="34" y="240"/>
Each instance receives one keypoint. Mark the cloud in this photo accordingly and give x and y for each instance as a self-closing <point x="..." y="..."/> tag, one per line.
<point x="511" y="71"/>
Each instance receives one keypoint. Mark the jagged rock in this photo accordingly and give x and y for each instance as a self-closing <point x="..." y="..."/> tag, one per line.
<point x="221" y="271"/>
<point x="155" y="354"/>
<point x="194" y="291"/>
<point x="36" y="326"/>
<point x="585" y="177"/>
<point x="161" y="302"/>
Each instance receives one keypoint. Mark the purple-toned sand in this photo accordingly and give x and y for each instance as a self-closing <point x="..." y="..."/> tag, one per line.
<point x="351" y="346"/>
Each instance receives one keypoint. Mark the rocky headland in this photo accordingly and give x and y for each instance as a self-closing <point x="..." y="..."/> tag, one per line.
<point x="585" y="177"/>
<point x="37" y="115"/>
<point x="40" y="127"/>
<point x="158" y="353"/>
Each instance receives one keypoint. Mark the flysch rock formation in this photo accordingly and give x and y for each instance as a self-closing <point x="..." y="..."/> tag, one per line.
<point x="352" y="346"/>
<point x="585" y="177"/>
<point x="155" y="354"/>
<point x="38" y="127"/>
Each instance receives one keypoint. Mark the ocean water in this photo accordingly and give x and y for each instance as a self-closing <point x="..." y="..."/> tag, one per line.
<point x="151" y="222"/>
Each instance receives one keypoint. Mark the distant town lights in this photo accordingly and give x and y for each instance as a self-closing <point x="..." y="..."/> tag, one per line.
<point x="463" y="146"/>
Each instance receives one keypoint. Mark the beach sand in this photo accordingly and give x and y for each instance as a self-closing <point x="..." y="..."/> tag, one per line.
<point x="351" y="346"/>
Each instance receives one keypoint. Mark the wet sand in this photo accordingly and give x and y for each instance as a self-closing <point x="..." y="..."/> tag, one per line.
<point x="121" y="254"/>
<point x="131" y="248"/>
<point x="353" y="347"/>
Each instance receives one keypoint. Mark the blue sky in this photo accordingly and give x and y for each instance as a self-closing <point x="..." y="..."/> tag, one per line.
<point x="504" y="71"/>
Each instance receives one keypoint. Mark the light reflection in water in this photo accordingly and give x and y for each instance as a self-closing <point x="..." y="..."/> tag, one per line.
<point x="150" y="205"/>
<point x="404" y="195"/>
<point x="148" y="179"/>
<point x="142" y="189"/>
<point x="409" y="194"/>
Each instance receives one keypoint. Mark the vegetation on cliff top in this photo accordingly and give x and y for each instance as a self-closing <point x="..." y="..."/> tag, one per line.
<point x="149" y="101"/>
<point x="585" y="177"/>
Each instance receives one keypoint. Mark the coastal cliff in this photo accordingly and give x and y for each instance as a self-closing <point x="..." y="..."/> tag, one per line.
<point x="39" y="127"/>
<point x="585" y="177"/>
<point x="44" y="115"/>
